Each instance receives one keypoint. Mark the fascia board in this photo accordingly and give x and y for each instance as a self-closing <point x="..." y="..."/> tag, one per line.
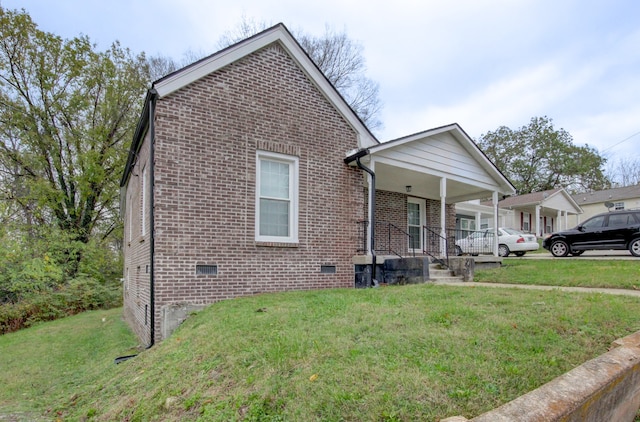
<point x="437" y="173"/>
<point x="215" y="62"/>
<point x="505" y="186"/>
<point x="410" y="138"/>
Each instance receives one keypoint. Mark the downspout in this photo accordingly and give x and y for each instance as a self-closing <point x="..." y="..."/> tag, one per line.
<point x="152" y="96"/>
<point x="152" y="237"/>
<point x="372" y="225"/>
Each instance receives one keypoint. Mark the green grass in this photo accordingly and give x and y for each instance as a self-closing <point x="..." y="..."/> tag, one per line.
<point x="419" y="352"/>
<point x="579" y="272"/>
<point x="51" y="362"/>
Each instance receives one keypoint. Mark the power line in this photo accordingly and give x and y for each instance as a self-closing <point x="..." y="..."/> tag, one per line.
<point x="618" y="143"/>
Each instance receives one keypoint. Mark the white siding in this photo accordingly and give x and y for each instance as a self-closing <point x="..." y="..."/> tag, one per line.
<point x="441" y="154"/>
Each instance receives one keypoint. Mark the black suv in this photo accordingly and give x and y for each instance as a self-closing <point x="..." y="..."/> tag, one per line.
<point x="609" y="230"/>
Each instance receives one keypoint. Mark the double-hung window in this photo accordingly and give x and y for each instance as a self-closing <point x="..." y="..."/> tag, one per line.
<point x="143" y="219"/>
<point x="276" y="197"/>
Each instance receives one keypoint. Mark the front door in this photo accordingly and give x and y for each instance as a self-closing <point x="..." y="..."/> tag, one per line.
<point x="416" y="219"/>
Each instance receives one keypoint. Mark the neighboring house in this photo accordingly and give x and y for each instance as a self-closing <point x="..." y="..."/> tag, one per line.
<point x="540" y="212"/>
<point x="593" y="203"/>
<point x="473" y="215"/>
<point x="249" y="173"/>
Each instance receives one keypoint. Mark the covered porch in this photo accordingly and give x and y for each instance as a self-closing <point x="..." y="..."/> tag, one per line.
<point x="413" y="184"/>
<point x="541" y="212"/>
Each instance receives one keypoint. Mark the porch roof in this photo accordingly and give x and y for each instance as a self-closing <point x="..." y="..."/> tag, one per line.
<point x="423" y="159"/>
<point x="553" y="199"/>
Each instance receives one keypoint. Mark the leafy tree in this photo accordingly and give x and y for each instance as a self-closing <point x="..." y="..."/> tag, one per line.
<point x="537" y="157"/>
<point x="67" y="114"/>
<point x="337" y="56"/>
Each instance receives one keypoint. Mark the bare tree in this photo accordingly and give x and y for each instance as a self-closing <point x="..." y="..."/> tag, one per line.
<point x="337" y="56"/>
<point x="160" y="66"/>
<point x="342" y="62"/>
<point x="244" y="29"/>
<point x="624" y="171"/>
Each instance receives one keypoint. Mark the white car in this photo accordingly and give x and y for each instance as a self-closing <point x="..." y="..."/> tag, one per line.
<point x="509" y="241"/>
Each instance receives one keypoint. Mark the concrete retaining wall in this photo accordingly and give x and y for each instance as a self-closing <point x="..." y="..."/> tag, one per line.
<point x="606" y="388"/>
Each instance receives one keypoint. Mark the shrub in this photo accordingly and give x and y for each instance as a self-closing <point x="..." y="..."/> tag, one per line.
<point x="82" y="293"/>
<point x="85" y="293"/>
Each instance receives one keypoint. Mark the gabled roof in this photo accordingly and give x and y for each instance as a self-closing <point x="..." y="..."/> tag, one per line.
<point x="277" y="34"/>
<point x="543" y="198"/>
<point x="533" y="198"/>
<point x="615" y="194"/>
<point x="465" y="141"/>
<point x="442" y="152"/>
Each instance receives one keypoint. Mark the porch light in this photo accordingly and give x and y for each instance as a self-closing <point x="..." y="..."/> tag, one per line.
<point x="408" y="188"/>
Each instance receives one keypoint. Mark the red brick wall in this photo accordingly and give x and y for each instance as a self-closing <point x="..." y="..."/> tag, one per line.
<point x="207" y="135"/>
<point x="137" y="251"/>
<point x="391" y="207"/>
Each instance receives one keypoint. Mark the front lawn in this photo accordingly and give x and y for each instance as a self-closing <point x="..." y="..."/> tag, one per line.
<point x="574" y="272"/>
<point x="419" y="352"/>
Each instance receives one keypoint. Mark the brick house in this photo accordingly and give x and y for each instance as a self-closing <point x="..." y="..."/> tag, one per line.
<point x="249" y="173"/>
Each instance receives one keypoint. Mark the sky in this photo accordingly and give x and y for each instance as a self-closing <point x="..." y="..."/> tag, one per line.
<point x="479" y="63"/>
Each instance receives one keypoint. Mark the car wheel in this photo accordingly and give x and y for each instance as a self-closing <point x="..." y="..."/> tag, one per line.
<point x="577" y="253"/>
<point x="503" y="251"/>
<point x="458" y="250"/>
<point x="634" y="247"/>
<point x="519" y="253"/>
<point x="559" y="248"/>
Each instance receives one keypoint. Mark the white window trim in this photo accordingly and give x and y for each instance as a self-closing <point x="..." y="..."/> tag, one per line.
<point x="143" y="225"/>
<point x="129" y="208"/>
<point x="293" y="163"/>
<point x="526" y="220"/>
<point x="471" y="226"/>
<point x="422" y="203"/>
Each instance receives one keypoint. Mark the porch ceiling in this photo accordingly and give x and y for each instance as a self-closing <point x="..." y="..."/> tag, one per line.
<point x="427" y="185"/>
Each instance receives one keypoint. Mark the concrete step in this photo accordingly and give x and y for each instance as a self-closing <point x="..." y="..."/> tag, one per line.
<point x="450" y="279"/>
<point x="433" y="273"/>
<point x="437" y="272"/>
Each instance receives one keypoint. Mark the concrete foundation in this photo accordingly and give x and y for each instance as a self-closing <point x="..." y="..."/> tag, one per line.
<point x="462" y="266"/>
<point x="391" y="270"/>
<point x="174" y="314"/>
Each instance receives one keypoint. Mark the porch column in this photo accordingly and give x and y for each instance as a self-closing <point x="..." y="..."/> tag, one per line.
<point x="478" y="220"/>
<point x="558" y="222"/>
<point x="566" y="220"/>
<point x="443" y="215"/>
<point x="538" y="233"/>
<point x="495" y="223"/>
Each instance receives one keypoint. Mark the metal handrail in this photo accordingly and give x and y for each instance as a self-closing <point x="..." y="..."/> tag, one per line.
<point x="399" y="234"/>
<point x="397" y="240"/>
<point x="433" y="245"/>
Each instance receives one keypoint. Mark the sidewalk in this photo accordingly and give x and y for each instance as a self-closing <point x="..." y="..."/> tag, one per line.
<point x="621" y="292"/>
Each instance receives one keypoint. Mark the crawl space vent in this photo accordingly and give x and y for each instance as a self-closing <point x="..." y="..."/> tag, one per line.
<point x="206" y="269"/>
